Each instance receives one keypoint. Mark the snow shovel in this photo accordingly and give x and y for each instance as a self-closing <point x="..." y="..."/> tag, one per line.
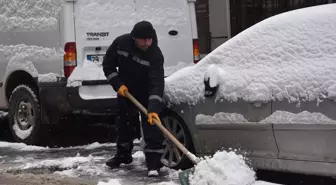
<point x="183" y="176"/>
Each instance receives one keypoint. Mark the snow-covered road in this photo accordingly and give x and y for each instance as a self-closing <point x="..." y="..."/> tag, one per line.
<point x="85" y="163"/>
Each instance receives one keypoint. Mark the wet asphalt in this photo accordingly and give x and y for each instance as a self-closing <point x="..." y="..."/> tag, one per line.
<point x="80" y="132"/>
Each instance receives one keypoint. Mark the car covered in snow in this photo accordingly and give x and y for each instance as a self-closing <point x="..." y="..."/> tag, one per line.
<point x="268" y="93"/>
<point x="51" y="53"/>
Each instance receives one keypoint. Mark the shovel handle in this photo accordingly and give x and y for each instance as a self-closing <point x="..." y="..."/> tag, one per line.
<point x="185" y="151"/>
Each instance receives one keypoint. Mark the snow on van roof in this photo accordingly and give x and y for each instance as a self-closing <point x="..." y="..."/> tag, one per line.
<point x="125" y="13"/>
<point x="29" y="15"/>
<point x="288" y="56"/>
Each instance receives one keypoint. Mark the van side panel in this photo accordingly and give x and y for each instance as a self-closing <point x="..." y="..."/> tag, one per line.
<point x="29" y="43"/>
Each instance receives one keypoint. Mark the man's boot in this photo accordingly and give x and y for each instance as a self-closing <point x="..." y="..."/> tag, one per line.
<point x="117" y="160"/>
<point x="153" y="162"/>
<point x="123" y="156"/>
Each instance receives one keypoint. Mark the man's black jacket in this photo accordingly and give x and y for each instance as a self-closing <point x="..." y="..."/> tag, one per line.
<point x="141" y="71"/>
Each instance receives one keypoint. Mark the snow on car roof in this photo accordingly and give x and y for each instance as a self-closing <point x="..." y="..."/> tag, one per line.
<point x="288" y="56"/>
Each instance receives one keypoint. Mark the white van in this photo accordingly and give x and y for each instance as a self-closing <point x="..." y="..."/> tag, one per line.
<point x="43" y="42"/>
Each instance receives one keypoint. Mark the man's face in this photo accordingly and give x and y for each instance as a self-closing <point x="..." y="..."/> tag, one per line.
<point x="143" y="44"/>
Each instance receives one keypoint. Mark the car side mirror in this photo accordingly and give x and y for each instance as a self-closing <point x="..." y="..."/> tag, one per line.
<point x="209" y="91"/>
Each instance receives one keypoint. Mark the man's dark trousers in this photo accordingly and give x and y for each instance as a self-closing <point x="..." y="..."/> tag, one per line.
<point x="129" y="129"/>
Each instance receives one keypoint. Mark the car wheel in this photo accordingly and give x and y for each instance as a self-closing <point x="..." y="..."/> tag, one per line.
<point x="24" y="115"/>
<point x="172" y="156"/>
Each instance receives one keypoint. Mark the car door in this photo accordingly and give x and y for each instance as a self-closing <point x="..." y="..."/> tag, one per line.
<point x="234" y="125"/>
<point x="3" y="65"/>
<point x="305" y="132"/>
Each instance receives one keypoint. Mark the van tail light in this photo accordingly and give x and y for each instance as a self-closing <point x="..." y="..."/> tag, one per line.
<point x="70" y="58"/>
<point x="196" y="50"/>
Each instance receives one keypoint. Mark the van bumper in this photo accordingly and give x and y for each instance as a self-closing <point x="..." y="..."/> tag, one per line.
<point x="57" y="98"/>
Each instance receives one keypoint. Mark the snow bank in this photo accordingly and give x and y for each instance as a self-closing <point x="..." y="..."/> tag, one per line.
<point x="24" y="147"/>
<point x="21" y="146"/>
<point x="278" y="117"/>
<point x="29" y="15"/>
<point x="223" y="168"/>
<point x="63" y="163"/>
<point x="289" y="56"/>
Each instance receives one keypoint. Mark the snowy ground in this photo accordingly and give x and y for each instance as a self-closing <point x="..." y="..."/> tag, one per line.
<point x="84" y="163"/>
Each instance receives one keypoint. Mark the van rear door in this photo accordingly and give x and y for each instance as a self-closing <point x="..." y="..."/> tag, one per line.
<point x="172" y="21"/>
<point x="99" y="22"/>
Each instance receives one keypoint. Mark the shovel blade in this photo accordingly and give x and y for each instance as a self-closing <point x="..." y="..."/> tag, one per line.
<point x="184" y="176"/>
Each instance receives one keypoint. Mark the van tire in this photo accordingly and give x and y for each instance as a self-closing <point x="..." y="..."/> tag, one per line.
<point x="25" y="115"/>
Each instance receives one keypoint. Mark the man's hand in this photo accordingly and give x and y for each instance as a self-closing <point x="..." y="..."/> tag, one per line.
<point x="152" y="116"/>
<point x="122" y="90"/>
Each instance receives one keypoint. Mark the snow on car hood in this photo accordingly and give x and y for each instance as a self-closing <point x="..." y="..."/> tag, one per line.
<point x="289" y="56"/>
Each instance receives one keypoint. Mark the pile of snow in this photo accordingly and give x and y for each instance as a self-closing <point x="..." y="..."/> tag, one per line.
<point x="87" y="71"/>
<point x="223" y="168"/>
<point x="29" y="15"/>
<point x="278" y="117"/>
<point x="289" y="56"/>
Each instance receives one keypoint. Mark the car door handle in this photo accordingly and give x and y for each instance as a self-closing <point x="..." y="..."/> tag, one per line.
<point x="173" y="32"/>
<point x="257" y="103"/>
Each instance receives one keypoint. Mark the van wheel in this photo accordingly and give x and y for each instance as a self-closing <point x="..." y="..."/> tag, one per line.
<point x="172" y="156"/>
<point x="24" y="115"/>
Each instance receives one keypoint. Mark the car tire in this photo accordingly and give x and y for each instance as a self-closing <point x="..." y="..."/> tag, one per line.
<point x="25" y="115"/>
<point x="181" y="132"/>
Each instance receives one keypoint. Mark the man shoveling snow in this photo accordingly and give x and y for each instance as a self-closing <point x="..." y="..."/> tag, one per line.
<point x="140" y="71"/>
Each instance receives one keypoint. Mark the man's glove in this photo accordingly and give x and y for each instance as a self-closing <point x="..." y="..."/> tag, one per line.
<point x="152" y="116"/>
<point x="122" y="90"/>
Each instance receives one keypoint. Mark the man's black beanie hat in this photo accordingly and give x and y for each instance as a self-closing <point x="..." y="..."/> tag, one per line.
<point x="143" y="29"/>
